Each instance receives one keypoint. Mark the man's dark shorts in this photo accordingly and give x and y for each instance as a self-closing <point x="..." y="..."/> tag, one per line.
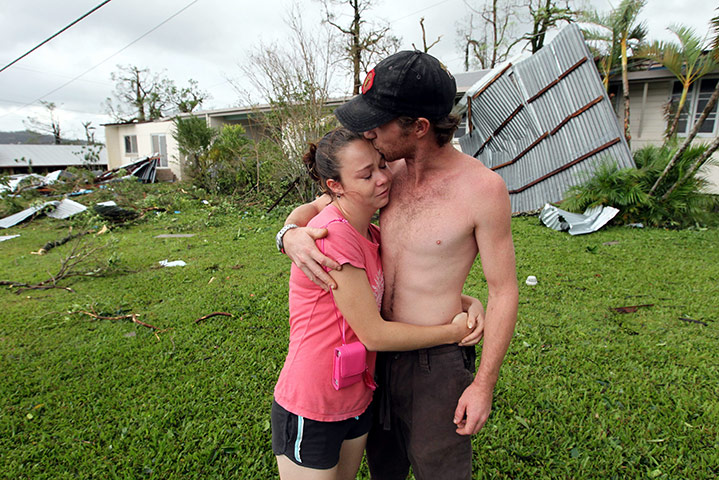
<point x="416" y="399"/>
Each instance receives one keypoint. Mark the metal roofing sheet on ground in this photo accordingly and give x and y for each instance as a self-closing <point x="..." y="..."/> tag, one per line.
<point x="544" y="122"/>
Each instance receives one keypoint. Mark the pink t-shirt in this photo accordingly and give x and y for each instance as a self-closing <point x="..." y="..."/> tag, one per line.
<point x="305" y="384"/>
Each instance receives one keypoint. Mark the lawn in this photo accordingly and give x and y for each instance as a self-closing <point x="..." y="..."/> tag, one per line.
<point x="585" y="391"/>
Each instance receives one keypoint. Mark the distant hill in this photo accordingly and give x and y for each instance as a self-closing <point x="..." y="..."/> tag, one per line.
<point x="33" y="138"/>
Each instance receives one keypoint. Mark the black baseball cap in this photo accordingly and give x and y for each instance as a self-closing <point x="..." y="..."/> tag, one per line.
<point x="408" y="83"/>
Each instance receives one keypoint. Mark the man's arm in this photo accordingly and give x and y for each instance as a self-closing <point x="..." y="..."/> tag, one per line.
<point x="300" y="246"/>
<point x="494" y="240"/>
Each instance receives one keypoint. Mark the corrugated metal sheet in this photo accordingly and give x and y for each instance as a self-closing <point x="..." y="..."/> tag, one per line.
<point x="544" y="122"/>
<point x="577" y="224"/>
<point x="45" y="155"/>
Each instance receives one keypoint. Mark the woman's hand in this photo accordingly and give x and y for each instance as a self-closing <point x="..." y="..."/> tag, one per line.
<point x="475" y="320"/>
<point x="460" y="323"/>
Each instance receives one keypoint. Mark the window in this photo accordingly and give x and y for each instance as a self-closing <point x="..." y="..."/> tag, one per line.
<point x="159" y="147"/>
<point x="130" y="144"/>
<point x="697" y="99"/>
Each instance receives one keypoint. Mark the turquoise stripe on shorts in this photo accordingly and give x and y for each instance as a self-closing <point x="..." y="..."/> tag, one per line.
<point x="298" y="441"/>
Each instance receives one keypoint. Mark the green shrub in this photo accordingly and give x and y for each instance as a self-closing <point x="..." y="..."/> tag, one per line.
<point x="628" y="190"/>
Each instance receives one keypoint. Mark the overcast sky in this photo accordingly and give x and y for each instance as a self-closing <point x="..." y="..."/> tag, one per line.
<point x="205" y="41"/>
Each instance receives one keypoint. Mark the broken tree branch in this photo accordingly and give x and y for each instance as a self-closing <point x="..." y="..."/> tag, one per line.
<point x="132" y="316"/>
<point x="213" y="315"/>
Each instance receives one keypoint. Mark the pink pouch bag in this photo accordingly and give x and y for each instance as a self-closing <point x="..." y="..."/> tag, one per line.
<point x="349" y="364"/>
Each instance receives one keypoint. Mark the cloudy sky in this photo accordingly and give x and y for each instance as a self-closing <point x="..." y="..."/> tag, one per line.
<point x="205" y="40"/>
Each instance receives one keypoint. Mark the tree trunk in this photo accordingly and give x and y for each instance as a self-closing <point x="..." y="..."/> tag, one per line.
<point x="682" y="100"/>
<point x="357" y="52"/>
<point x="709" y="107"/>
<point x="697" y="163"/>
<point x="625" y="88"/>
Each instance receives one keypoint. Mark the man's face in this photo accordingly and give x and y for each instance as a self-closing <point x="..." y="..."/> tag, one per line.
<point x="392" y="140"/>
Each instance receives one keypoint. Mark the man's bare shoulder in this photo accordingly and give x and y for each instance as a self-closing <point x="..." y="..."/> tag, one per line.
<point x="476" y="174"/>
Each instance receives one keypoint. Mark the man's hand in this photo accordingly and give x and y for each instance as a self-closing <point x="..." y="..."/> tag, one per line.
<point x="473" y="409"/>
<point x="300" y="246"/>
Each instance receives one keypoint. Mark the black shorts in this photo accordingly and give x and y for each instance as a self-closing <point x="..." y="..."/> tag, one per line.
<point x="310" y="443"/>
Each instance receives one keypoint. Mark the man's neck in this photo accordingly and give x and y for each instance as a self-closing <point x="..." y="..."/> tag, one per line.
<point x="429" y="160"/>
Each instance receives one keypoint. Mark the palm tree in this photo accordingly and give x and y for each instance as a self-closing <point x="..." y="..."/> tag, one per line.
<point x="625" y="34"/>
<point x="714" y="54"/>
<point x="685" y="60"/>
<point x="603" y="44"/>
<point x="625" y="20"/>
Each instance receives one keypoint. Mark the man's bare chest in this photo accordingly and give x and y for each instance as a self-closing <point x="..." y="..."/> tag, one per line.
<point x="426" y="219"/>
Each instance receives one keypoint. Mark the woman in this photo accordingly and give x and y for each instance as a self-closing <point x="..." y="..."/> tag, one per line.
<point x="318" y="430"/>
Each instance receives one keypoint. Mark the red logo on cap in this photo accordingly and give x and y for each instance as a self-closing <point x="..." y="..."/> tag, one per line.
<point x="368" y="82"/>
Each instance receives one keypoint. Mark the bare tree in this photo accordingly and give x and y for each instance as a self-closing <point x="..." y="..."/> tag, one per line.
<point x="187" y="99"/>
<point x="141" y="95"/>
<point x="425" y="47"/>
<point x="51" y="127"/>
<point x="89" y="132"/>
<point x="546" y="14"/>
<point x="365" y="41"/>
<point x="294" y="80"/>
<point x="491" y="32"/>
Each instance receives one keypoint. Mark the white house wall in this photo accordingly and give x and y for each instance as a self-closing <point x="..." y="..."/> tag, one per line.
<point x="647" y="125"/>
<point x="115" y="140"/>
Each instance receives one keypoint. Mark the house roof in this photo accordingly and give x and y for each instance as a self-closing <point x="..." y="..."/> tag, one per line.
<point x="45" y="155"/>
<point x="544" y="121"/>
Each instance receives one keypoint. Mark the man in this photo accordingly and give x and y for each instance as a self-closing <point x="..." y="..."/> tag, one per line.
<point x="444" y="208"/>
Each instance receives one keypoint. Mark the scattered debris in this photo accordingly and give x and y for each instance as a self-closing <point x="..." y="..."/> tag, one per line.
<point x="79" y="254"/>
<point x="531" y="280"/>
<point x="66" y="208"/>
<point x="590" y="221"/>
<point x="175" y="235"/>
<point x="132" y="316"/>
<point x="613" y="242"/>
<point x="225" y="314"/>
<point x="143" y="169"/>
<point x="56" y="243"/>
<point x="631" y="308"/>
<point x="691" y="320"/>
<point x="7" y="237"/>
<point x="634" y="225"/>
<point x="110" y="211"/>
<point x="176" y="263"/>
<point x="63" y="209"/>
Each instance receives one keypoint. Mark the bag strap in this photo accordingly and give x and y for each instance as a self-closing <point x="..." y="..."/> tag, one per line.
<point x="322" y="249"/>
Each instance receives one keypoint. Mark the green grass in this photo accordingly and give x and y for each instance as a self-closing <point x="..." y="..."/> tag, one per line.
<point x="584" y="392"/>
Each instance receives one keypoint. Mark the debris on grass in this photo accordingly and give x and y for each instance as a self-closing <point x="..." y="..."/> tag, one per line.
<point x="62" y="209"/>
<point x="110" y="211"/>
<point x="575" y="223"/>
<point x="7" y="237"/>
<point x="631" y="308"/>
<point x="175" y="263"/>
<point x="56" y="243"/>
<point x="225" y="314"/>
<point x="144" y="169"/>
<point x="691" y="320"/>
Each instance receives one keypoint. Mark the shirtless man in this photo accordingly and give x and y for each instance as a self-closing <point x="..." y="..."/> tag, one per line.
<point x="444" y="208"/>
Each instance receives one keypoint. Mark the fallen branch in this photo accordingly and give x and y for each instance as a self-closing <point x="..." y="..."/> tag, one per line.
<point x="79" y="254"/>
<point x="691" y="320"/>
<point x="213" y="315"/>
<point x="132" y="316"/>
<point x="56" y="243"/>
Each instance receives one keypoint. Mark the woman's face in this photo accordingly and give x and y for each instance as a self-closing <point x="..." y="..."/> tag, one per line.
<point x="364" y="175"/>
